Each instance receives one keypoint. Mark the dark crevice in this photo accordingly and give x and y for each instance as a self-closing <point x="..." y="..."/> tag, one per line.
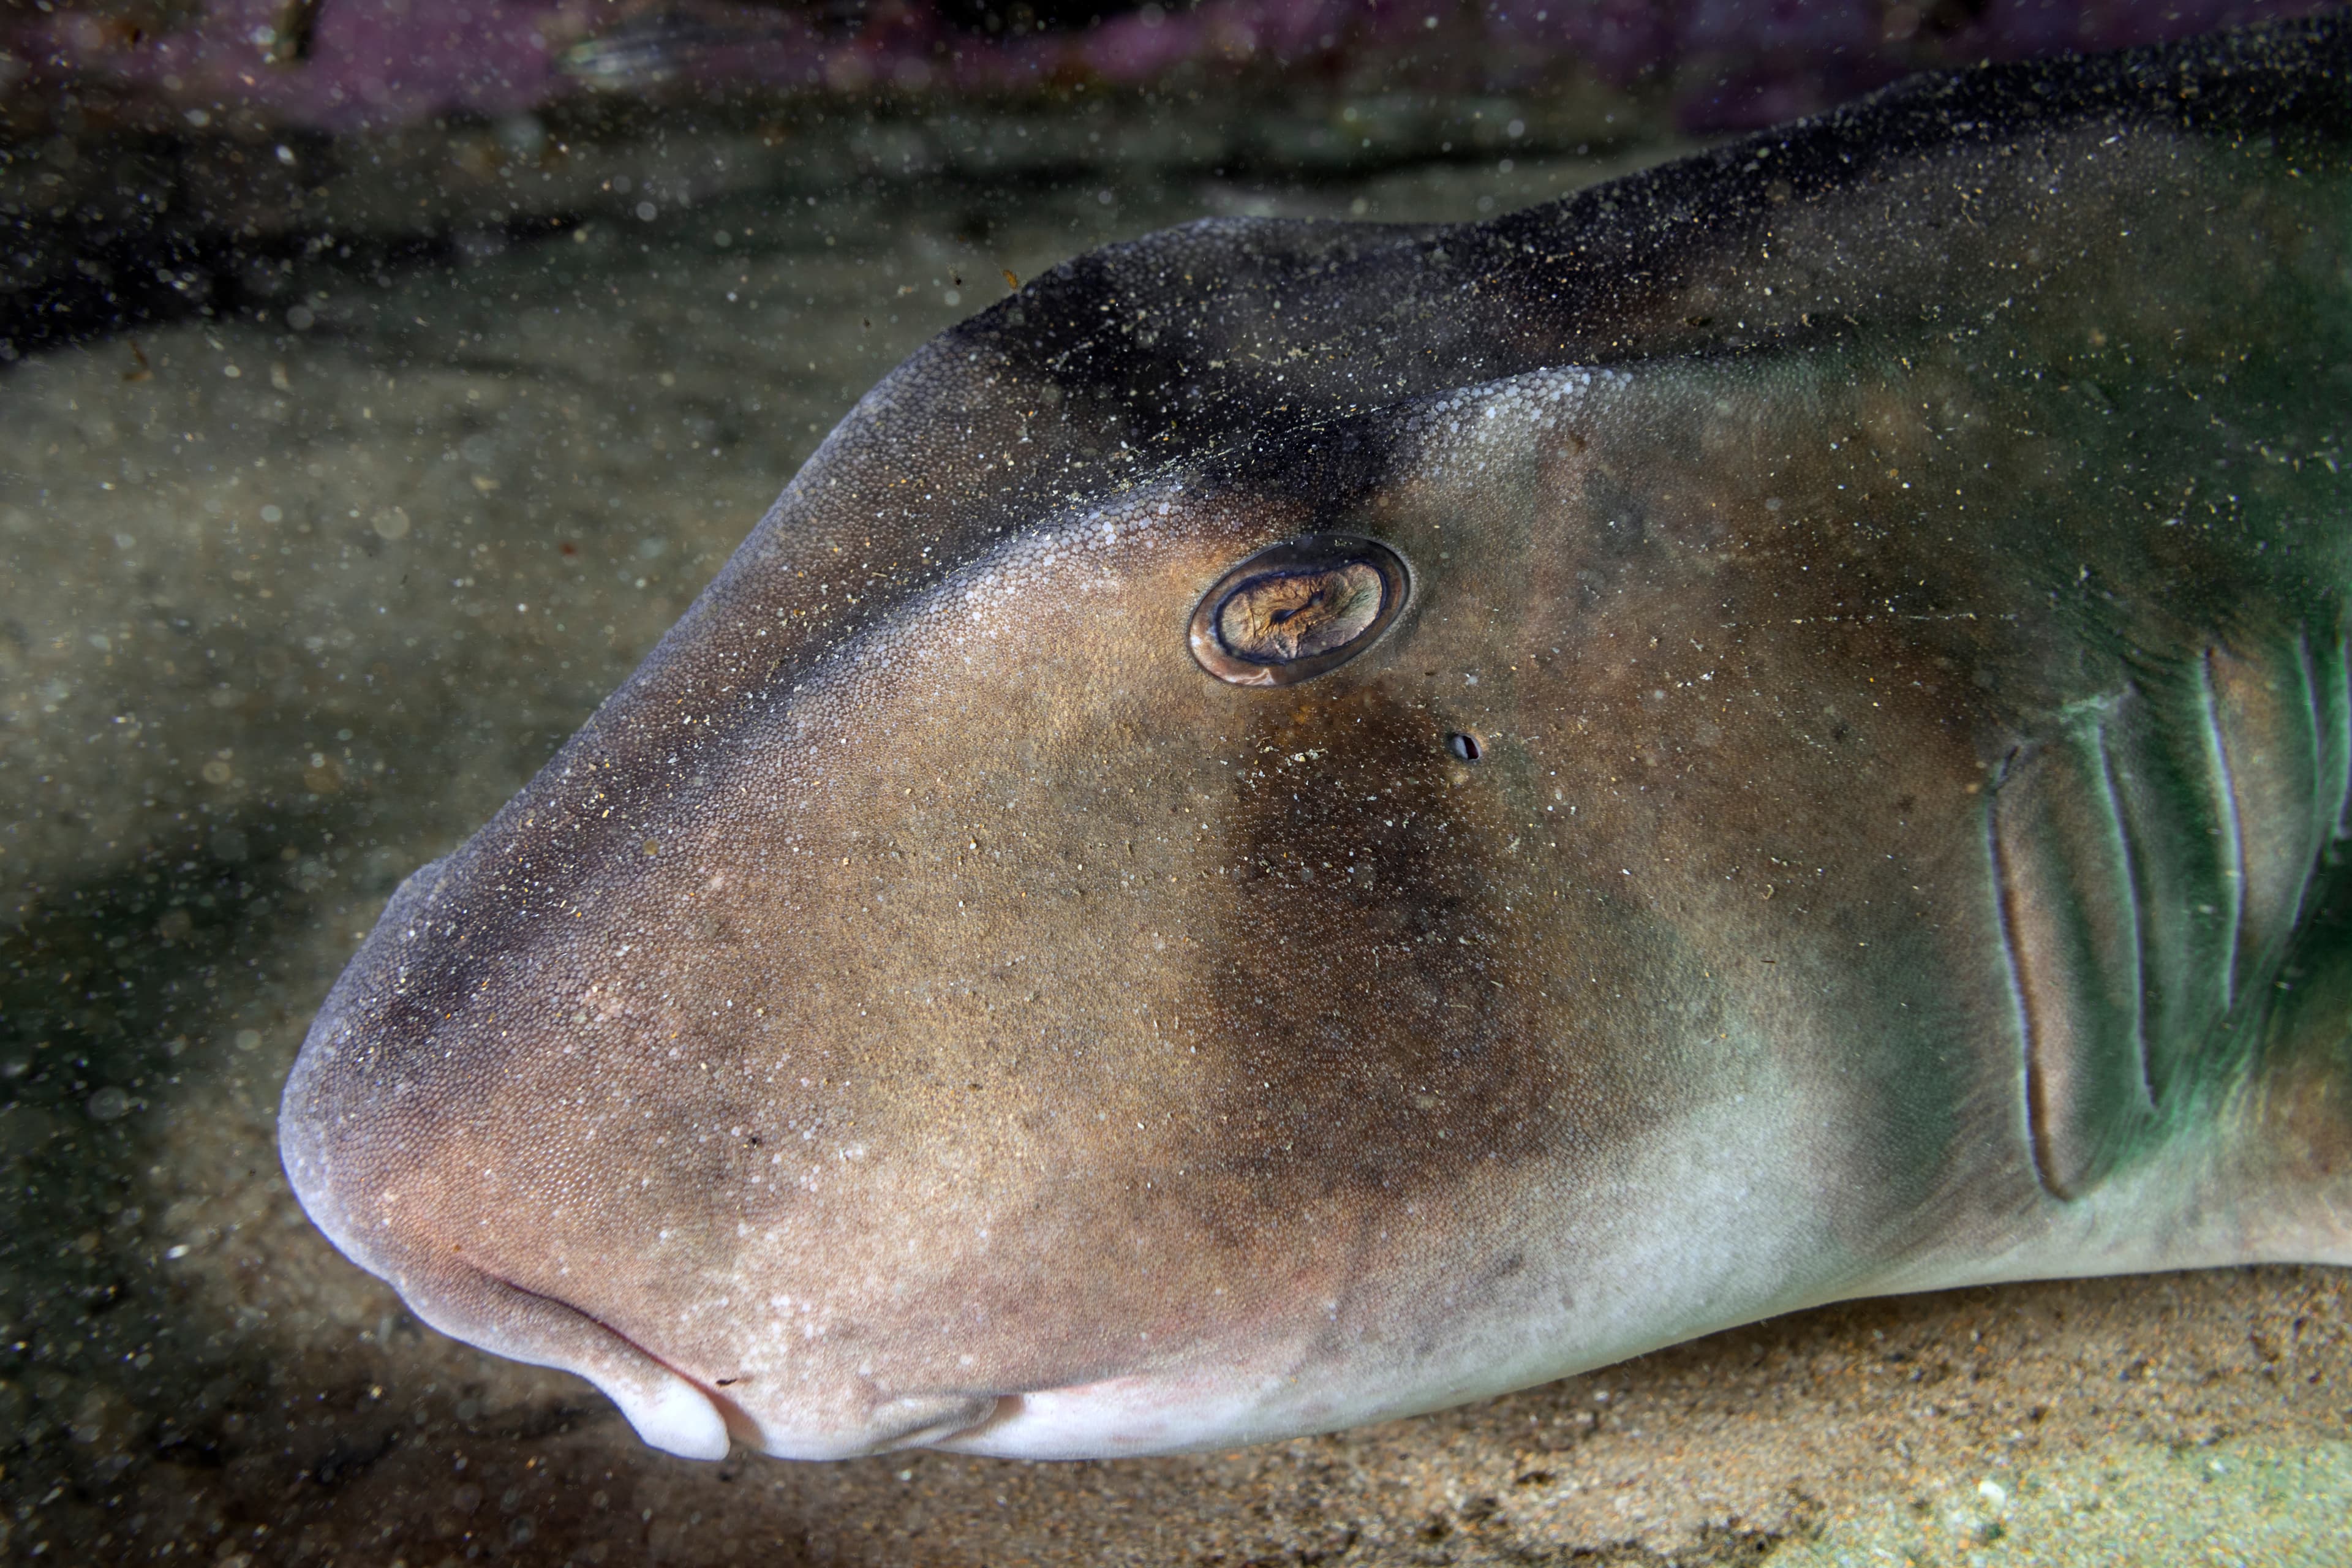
<point x="127" y="279"/>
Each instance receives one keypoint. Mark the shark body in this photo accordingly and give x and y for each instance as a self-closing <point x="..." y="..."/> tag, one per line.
<point x="1306" y="822"/>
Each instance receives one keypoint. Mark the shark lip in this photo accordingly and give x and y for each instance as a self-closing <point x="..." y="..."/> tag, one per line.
<point x="670" y="1408"/>
<point x="1114" y="1417"/>
<point x="678" y="1417"/>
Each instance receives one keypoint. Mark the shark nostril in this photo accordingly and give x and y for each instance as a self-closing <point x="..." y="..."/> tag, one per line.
<point x="1463" y="745"/>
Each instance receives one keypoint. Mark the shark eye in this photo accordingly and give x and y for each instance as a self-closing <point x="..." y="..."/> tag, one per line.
<point x="1298" y="609"/>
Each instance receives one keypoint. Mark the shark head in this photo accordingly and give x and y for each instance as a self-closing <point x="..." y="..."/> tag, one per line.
<point x="1302" y="823"/>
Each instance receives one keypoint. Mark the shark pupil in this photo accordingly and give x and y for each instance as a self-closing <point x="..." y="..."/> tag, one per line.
<point x="1298" y="609"/>
<point x="1283" y="616"/>
<point x="1321" y="596"/>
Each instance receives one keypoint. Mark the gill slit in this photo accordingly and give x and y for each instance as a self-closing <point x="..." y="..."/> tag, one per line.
<point x="2029" y="1080"/>
<point x="2234" y="872"/>
<point x="2112" y="803"/>
<point x="2331" y="714"/>
<point x="724" y="1402"/>
<point x="2327" y="763"/>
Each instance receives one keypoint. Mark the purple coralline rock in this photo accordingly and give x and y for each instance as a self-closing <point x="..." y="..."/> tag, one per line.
<point x="381" y="64"/>
<point x="370" y="64"/>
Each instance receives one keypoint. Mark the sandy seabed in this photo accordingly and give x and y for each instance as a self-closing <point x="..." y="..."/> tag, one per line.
<point x="292" y="604"/>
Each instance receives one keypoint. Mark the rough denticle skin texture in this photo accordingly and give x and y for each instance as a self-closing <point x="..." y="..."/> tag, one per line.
<point x="1890" y="574"/>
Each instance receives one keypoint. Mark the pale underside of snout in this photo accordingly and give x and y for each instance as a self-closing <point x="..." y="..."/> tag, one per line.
<point x="1695" y="1232"/>
<point x="1719" y="1225"/>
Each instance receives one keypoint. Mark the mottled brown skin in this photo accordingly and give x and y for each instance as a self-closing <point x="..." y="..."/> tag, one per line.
<point x="924" y="990"/>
